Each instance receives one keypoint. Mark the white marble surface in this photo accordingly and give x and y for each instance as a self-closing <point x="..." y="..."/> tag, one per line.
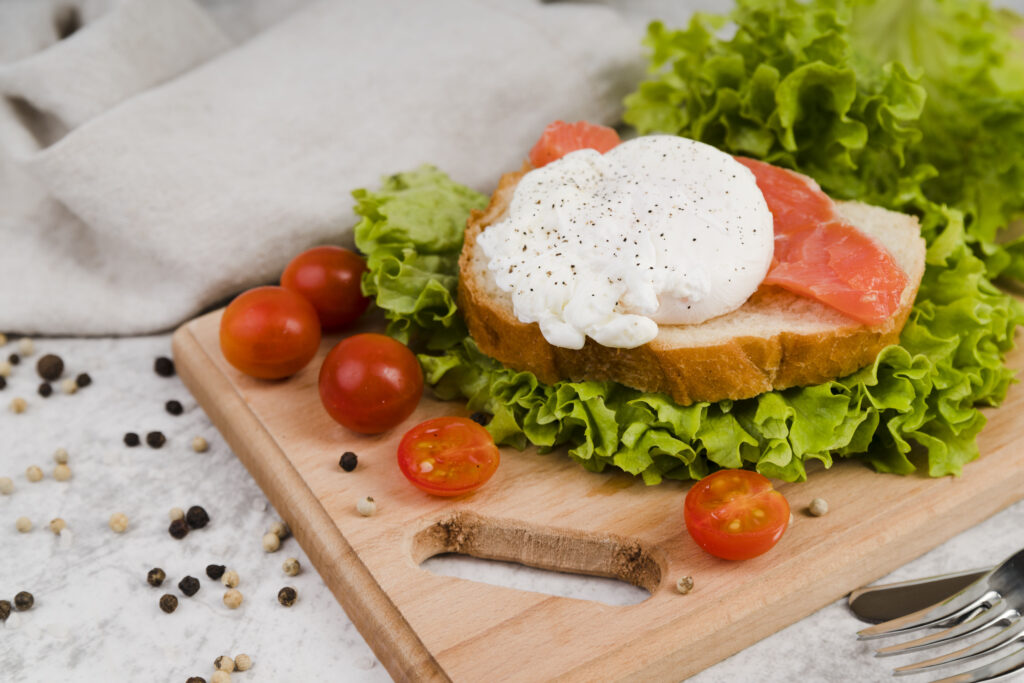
<point x="96" y="618"/>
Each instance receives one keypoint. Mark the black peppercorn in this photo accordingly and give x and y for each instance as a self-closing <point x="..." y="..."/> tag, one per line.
<point x="196" y="517"/>
<point x="156" y="439"/>
<point x="156" y="576"/>
<point x="178" y="528"/>
<point x="196" y="679"/>
<point x="50" y="367"/>
<point x="131" y="440"/>
<point x="348" y="461"/>
<point x="481" y="418"/>
<point x="189" y="585"/>
<point x="286" y="596"/>
<point x="23" y="601"/>
<point x="5" y="609"/>
<point x="164" y="366"/>
<point x="215" y="571"/>
<point x="168" y="603"/>
<point x="3" y="383"/>
<point x="14" y="359"/>
<point x="45" y="390"/>
<point x="83" y="380"/>
<point x="174" y="407"/>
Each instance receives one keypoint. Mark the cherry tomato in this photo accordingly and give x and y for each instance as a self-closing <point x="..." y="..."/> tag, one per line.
<point x="370" y="383"/>
<point x="448" y="456"/>
<point x="735" y="514"/>
<point x="269" y="332"/>
<point x="329" y="277"/>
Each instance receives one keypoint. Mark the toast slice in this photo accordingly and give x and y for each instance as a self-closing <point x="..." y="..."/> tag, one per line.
<point x="775" y="340"/>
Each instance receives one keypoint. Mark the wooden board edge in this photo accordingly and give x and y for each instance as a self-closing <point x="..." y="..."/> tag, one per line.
<point x="388" y="634"/>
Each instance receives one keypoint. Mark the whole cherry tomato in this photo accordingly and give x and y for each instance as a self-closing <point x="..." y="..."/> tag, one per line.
<point x="448" y="456"/>
<point x="735" y="514"/>
<point x="269" y="332"/>
<point x="370" y="383"/>
<point x="329" y="277"/>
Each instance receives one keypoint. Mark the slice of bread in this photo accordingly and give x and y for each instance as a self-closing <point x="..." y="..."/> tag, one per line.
<point x="775" y="340"/>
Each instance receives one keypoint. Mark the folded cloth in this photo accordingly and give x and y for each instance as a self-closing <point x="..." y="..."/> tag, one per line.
<point x="191" y="190"/>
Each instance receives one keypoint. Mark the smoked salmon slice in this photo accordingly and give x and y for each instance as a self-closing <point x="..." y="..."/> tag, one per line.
<point x="560" y="138"/>
<point x="820" y="256"/>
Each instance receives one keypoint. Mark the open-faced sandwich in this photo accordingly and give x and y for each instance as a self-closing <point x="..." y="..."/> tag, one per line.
<point x="669" y="266"/>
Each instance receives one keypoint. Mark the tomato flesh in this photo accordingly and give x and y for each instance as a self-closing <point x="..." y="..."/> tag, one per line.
<point x="370" y="383"/>
<point x="269" y="332"/>
<point x="448" y="456"/>
<point x="329" y="278"/>
<point x="735" y="514"/>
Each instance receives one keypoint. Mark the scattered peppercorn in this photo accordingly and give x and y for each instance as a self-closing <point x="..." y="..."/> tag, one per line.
<point x="60" y="456"/>
<point x="131" y="440"/>
<point x="818" y="507"/>
<point x="233" y="598"/>
<point x="34" y="474"/>
<point x="26" y="346"/>
<point x="685" y="584"/>
<point x="23" y="601"/>
<point x="243" y="662"/>
<point x="271" y="542"/>
<point x="224" y="663"/>
<point x="215" y="571"/>
<point x="3" y="382"/>
<point x="68" y="386"/>
<point x="5" y="609"/>
<point x="156" y="576"/>
<point x="168" y="603"/>
<point x="19" y="405"/>
<point x="164" y="366"/>
<point x="83" y="380"/>
<point x="58" y="525"/>
<point x="348" y="461"/>
<point x="14" y="359"/>
<point x="3" y="339"/>
<point x="50" y="367"/>
<point x="199" y="444"/>
<point x="23" y="524"/>
<point x="45" y="390"/>
<point x="281" y="530"/>
<point x="230" y="578"/>
<point x="118" y="522"/>
<point x="196" y="517"/>
<point x="176" y="513"/>
<point x="481" y="418"/>
<point x="6" y="485"/>
<point x="174" y="407"/>
<point x="291" y="566"/>
<point x="156" y="439"/>
<point x="286" y="596"/>
<point x="196" y="679"/>
<point x="367" y="507"/>
<point x="220" y="677"/>
<point x="178" y="529"/>
<point x="62" y="473"/>
<point x="189" y="585"/>
<point x="5" y="368"/>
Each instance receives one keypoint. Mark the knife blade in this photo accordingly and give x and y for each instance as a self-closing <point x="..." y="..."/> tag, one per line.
<point x="875" y="604"/>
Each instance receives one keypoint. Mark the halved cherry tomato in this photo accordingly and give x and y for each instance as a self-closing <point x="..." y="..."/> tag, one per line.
<point x="735" y="514"/>
<point x="448" y="456"/>
<point x="269" y="332"/>
<point x="329" y="277"/>
<point x="370" y="383"/>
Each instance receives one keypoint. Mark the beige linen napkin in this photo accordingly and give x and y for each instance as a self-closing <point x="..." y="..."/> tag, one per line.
<point x="182" y="193"/>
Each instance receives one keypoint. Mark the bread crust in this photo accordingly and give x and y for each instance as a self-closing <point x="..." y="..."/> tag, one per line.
<point x="739" y="367"/>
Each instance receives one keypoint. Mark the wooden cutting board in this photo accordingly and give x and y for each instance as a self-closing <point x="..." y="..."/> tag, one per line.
<point x="546" y="511"/>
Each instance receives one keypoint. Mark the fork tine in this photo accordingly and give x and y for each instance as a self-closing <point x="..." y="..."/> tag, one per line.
<point x="954" y="610"/>
<point x="994" y="614"/>
<point x="1000" y="667"/>
<point x="993" y="643"/>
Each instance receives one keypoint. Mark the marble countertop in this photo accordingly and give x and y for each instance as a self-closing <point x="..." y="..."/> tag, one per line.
<point x="96" y="619"/>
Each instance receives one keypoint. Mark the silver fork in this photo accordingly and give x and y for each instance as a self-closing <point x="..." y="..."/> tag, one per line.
<point x="995" y="599"/>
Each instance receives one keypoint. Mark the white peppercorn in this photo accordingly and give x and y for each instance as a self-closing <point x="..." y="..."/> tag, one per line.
<point x="60" y="456"/>
<point x="69" y="386"/>
<point x="199" y="445"/>
<point x="34" y="474"/>
<point x="23" y="524"/>
<point x="230" y="578"/>
<point x="61" y="472"/>
<point x="233" y="598"/>
<point x="3" y="339"/>
<point x="26" y="347"/>
<point x="684" y="585"/>
<point x="18" y="405"/>
<point x="818" y="507"/>
<point x="224" y="663"/>
<point x="118" y="522"/>
<point x="281" y="530"/>
<point x="291" y="566"/>
<point x="271" y="542"/>
<point x="6" y="485"/>
<point x="220" y="677"/>
<point x="176" y="514"/>
<point x="243" y="662"/>
<point x="57" y="525"/>
<point x="5" y="368"/>
<point x="366" y="506"/>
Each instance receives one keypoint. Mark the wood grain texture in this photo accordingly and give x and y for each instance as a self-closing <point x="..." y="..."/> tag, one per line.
<point x="545" y="511"/>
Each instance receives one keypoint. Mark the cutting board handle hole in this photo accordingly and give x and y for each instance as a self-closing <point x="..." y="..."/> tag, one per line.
<point x="553" y="549"/>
